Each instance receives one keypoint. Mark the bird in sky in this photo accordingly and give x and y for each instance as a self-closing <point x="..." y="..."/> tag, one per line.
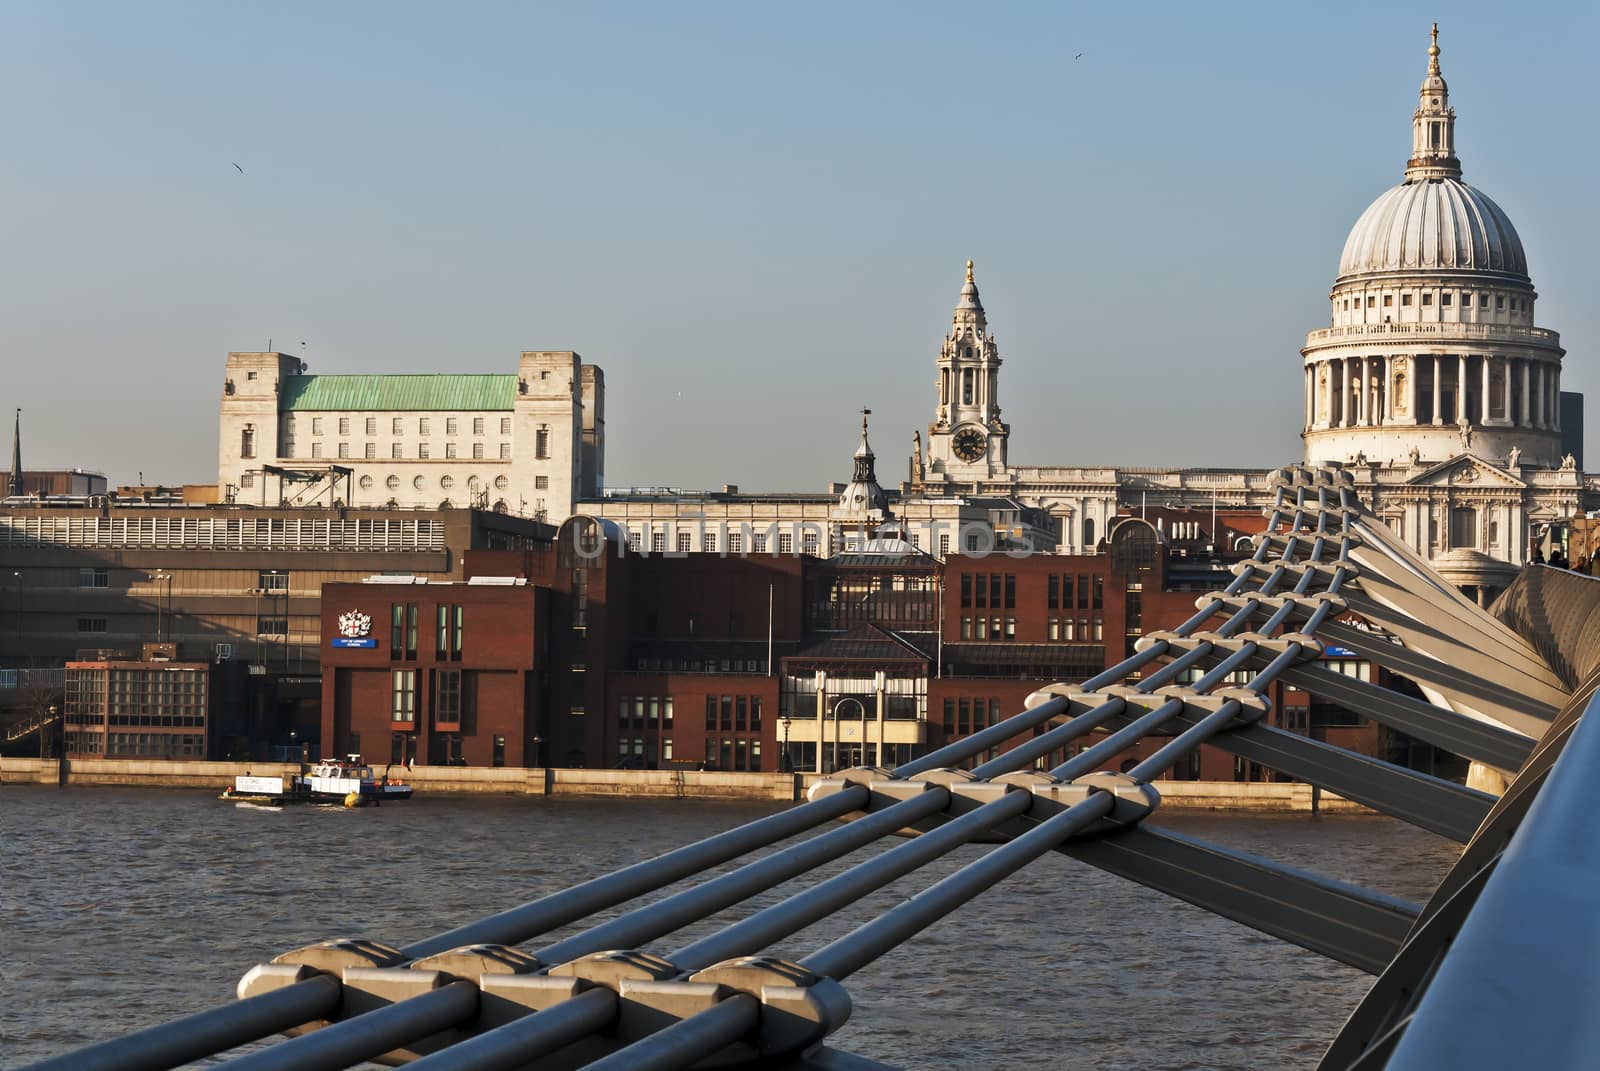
<point x="238" y="169"/>
<point x="1075" y="59"/>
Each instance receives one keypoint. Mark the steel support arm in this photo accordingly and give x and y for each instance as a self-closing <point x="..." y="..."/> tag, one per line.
<point x="1437" y="805"/>
<point x="1456" y="733"/>
<point x="1352" y="925"/>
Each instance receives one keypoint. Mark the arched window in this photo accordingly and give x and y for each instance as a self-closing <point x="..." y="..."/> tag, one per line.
<point x="1088" y="533"/>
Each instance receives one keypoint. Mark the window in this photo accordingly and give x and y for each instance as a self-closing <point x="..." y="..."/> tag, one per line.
<point x="91" y="624"/>
<point x="93" y="578"/>
<point x="683" y="542"/>
<point x="1446" y="299"/>
<point x="422" y="451"/>
<point x="403" y="695"/>
<point x="658" y="541"/>
<point x="505" y="425"/>
<point x="502" y="482"/>
<point x="448" y="706"/>
<point x="1054" y="586"/>
<point x="477" y="425"/>
<point x="396" y="427"/>
<point x="1405" y="299"/>
<point x="344" y="425"/>
<point x="447" y="481"/>
<point x="505" y="451"/>
<point x="1388" y="300"/>
<point x="711" y="712"/>
<point x="1372" y="301"/>
<point x="785" y="543"/>
<point x="344" y="449"/>
<point x="735" y="542"/>
<point x="541" y="483"/>
<point x="449" y="449"/>
<point x="316" y="425"/>
<point x="450" y="426"/>
<point x="1466" y="301"/>
<point x="247" y="441"/>
<point x="395" y="451"/>
<point x="371" y="451"/>
<point x="1427" y="299"/>
<point x="424" y="426"/>
<point x="392" y="482"/>
<point x="710" y="542"/>
<point x="372" y="425"/>
<point x="541" y="441"/>
<point x="247" y="480"/>
<point x="316" y="449"/>
<point x="477" y="451"/>
<point x="275" y="580"/>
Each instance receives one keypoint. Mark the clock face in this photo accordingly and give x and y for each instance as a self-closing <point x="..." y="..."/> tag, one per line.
<point x="969" y="444"/>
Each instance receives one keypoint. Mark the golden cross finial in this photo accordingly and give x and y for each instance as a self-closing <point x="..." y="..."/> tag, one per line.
<point x="865" y="413"/>
<point x="969" y="271"/>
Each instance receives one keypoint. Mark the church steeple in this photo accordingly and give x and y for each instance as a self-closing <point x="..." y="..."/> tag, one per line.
<point x="1433" y="126"/>
<point x="969" y="308"/>
<point x="862" y="493"/>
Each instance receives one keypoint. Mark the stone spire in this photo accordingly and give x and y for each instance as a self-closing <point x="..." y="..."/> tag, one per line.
<point x="969" y="309"/>
<point x="16" y="456"/>
<point x="1433" y="126"/>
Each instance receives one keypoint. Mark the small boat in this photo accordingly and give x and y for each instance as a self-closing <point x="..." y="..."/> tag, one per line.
<point x="348" y="781"/>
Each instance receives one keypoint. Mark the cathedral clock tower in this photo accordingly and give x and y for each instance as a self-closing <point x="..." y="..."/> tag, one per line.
<point x="967" y="440"/>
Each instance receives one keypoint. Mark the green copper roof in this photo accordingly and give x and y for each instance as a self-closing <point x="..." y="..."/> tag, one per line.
<point x="424" y="392"/>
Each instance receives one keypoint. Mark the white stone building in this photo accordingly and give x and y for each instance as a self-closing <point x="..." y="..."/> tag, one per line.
<point x="529" y="443"/>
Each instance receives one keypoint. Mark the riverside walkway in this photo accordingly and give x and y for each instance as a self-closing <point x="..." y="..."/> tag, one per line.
<point x="1497" y="967"/>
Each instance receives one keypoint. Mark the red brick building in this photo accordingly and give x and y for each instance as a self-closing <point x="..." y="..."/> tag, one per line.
<point x="439" y="673"/>
<point x="588" y="654"/>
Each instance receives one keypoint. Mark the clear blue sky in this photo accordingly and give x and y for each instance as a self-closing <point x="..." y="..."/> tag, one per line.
<point x="753" y="217"/>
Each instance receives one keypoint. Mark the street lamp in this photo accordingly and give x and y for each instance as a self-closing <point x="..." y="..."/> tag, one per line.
<point x="787" y="764"/>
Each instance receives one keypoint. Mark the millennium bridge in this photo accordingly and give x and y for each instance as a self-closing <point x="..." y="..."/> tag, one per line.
<point x="1500" y="966"/>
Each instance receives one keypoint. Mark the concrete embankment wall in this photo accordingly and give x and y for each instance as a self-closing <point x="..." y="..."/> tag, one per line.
<point x="652" y="784"/>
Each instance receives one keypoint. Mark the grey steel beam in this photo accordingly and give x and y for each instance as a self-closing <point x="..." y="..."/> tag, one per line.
<point x="1518" y="985"/>
<point x="523" y="923"/>
<point x="368" y="1035"/>
<point x="1437" y="805"/>
<point x="688" y="1040"/>
<point x="1459" y="643"/>
<point x="1352" y="925"/>
<point x="1510" y="708"/>
<point x="209" y="1032"/>
<point x="521" y="1041"/>
<point x="1456" y="733"/>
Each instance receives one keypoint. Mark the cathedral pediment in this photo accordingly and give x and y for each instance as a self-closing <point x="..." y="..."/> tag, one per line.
<point x="1466" y="470"/>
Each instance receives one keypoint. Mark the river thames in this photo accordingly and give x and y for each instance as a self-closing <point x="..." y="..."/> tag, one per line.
<point x="126" y="907"/>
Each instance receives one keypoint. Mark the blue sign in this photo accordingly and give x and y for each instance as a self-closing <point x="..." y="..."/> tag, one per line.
<point x="346" y="641"/>
<point x="1330" y="651"/>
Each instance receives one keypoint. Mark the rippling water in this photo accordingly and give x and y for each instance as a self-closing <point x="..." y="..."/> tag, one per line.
<point x="121" y="908"/>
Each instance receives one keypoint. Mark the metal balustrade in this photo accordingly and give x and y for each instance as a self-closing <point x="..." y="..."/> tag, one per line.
<point x="1455" y="984"/>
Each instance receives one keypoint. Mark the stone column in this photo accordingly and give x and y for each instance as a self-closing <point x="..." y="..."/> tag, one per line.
<point x="1461" y="389"/>
<point x="1487" y="360"/>
<point x="1524" y="406"/>
<point x="1411" y="391"/>
<point x="1555" y="398"/>
<point x="1439" y="375"/>
<point x="1539" y="396"/>
<point x="1386" y="403"/>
